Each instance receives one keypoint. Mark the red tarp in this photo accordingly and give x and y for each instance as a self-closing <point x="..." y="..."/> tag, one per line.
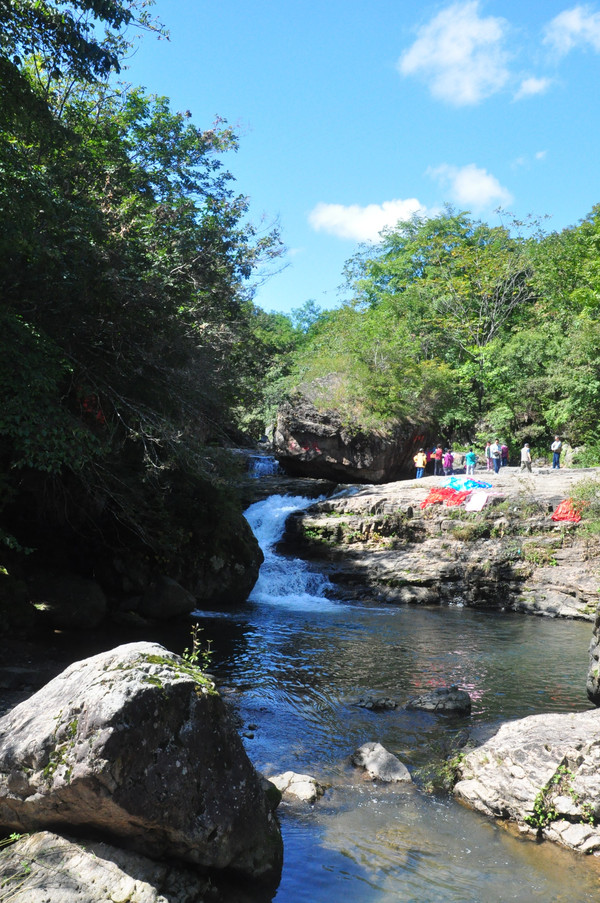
<point x="569" y="510"/>
<point x="447" y="495"/>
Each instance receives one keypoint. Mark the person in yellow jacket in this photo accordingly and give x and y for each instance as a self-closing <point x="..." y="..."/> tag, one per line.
<point x="420" y="460"/>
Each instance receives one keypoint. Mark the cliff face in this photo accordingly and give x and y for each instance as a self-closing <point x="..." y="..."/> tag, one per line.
<point x="313" y="443"/>
<point x="511" y="554"/>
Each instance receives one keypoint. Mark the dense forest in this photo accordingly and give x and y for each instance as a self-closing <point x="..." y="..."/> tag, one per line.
<point x="132" y="354"/>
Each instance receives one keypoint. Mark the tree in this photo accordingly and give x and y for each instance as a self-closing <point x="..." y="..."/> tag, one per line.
<point x="456" y="283"/>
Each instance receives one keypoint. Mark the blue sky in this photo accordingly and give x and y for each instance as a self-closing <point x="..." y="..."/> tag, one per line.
<point x="355" y="114"/>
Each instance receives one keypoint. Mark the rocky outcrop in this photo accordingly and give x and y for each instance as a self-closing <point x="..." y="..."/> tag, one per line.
<point x="315" y="443"/>
<point x="48" y="868"/>
<point x="509" y="555"/>
<point x="135" y="746"/>
<point x="380" y="764"/>
<point x="542" y="772"/>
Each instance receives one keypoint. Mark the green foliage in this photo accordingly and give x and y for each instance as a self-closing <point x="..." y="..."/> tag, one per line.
<point x="469" y="329"/>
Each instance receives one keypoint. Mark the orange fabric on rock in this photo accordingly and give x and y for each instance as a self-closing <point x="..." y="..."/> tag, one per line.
<point x="568" y="511"/>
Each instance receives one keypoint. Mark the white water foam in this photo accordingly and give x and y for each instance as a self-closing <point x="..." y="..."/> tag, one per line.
<point x="283" y="581"/>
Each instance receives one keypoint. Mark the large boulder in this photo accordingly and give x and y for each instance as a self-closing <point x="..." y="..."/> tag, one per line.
<point x="542" y="772"/>
<point x="135" y="746"/>
<point x="309" y="442"/>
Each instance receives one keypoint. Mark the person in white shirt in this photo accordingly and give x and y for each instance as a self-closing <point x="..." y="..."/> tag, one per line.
<point x="555" y="448"/>
<point x="496" y="451"/>
<point x="526" y="458"/>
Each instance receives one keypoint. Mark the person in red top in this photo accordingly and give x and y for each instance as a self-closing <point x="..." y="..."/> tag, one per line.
<point x="438" y="466"/>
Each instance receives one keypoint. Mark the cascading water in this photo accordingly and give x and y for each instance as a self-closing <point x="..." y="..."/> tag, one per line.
<point x="263" y="466"/>
<point x="284" y="581"/>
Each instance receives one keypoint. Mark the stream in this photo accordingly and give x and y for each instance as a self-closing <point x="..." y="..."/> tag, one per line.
<point x="296" y="662"/>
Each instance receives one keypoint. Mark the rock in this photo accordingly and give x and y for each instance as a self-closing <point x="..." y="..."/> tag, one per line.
<point x="68" y="602"/>
<point x="315" y="443"/>
<point x="298" y="786"/>
<point x="593" y="677"/>
<point x="17" y="614"/>
<point x="380" y="764"/>
<point x="47" y="868"/>
<point x="542" y="772"/>
<point x="381" y="704"/>
<point x="133" y="745"/>
<point x="165" y="599"/>
<point x="449" y="700"/>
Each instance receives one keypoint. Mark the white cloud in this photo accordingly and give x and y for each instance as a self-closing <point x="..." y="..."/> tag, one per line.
<point x="361" y="223"/>
<point x="574" y="27"/>
<point x="541" y="155"/>
<point x="460" y="54"/>
<point x="471" y="186"/>
<point x="531" y="86"/>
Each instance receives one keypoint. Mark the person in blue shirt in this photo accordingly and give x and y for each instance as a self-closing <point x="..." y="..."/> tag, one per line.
<point x="470" y="461"/>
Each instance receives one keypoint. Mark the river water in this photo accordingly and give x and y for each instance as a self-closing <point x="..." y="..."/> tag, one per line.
<point x="296" y="662"/>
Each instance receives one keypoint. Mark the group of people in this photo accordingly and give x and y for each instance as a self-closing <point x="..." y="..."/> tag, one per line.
<point x="496" y="456"/>
<point x="443" y="461"/>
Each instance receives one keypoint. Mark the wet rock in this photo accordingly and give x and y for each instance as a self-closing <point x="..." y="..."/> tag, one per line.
<point x="165" y="599"/>
<point x="135" y="746"/>
<point x="377" y="704"/>
<point x="448" y="700"/>
<point x="380" y="764"/>
<point x="543" y="773"/>
<point x="298" y="786"/>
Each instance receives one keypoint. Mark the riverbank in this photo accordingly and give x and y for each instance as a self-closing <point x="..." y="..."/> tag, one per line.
<point x="380" y="541"/>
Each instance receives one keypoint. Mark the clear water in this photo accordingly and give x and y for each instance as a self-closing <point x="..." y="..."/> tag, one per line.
<point x="297" y="662"/>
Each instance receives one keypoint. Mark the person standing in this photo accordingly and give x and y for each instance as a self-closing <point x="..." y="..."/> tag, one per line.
<point x="556" y="449"/>
<point x="504" y="455"/>
<point x="420" y="460"/>
<point x="471" y="461"/>
<point x="438" y="456"/>
<point x="488" y="455"/>
<point x="496" y="452"/>
<point x="526" y="458"/>
<point x="448" y="461"/>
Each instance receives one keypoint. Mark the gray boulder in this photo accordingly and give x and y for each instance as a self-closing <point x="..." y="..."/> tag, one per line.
<point x="449" y="700"/>
<point x="380" y="764"/>
<point x="47" y="868"/>
<point x="542" y="772"/>
<point x="136" y="746"/>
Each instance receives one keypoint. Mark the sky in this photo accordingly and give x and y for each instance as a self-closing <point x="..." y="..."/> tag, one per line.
<point x="355" y="114"/>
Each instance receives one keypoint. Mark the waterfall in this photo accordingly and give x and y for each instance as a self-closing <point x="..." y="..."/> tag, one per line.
<point x="287" y="582"/>
<point x="263" y="466"/>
